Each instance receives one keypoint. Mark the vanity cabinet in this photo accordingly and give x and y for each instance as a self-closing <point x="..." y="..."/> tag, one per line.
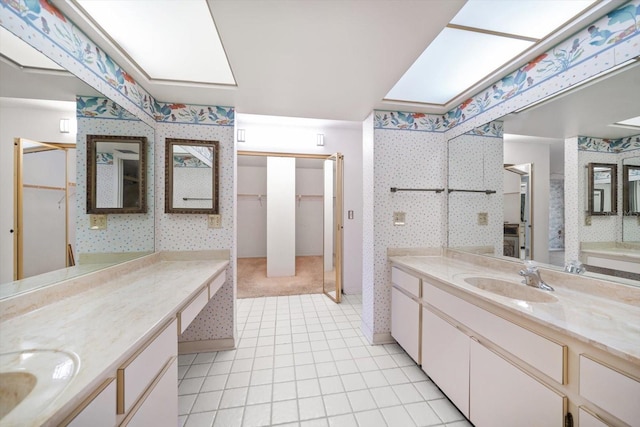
<point x="405" y="312"/>
<point x="610" y="389"/>
<point x="500" y="393"/>
<point x="445" y="358"/>
<point x="97" y="410"/>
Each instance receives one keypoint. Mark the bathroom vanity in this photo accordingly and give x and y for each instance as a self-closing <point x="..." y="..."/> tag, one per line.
<point x="103" y="347"/>
<point x="508" y="354"/>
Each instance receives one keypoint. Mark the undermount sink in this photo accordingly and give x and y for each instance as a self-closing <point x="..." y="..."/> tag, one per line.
<point x="510" y="289"/>
<point x="35" y="377"/>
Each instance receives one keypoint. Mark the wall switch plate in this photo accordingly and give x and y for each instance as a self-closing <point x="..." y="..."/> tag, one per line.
<point x="483" y="218"/>
<point x="97" y="222"/>
<point x="399" y="218"/>
<point x="215" y="221"/>
<point x="350" y="214"/>
<point x="587" y="220"/>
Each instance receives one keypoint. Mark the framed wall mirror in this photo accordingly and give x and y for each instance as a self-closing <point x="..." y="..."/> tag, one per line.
<point x="602" y="196"/>
<point x="631" y="189"/>
<point x="116" y="174"/>
<point x="191" y="176"/>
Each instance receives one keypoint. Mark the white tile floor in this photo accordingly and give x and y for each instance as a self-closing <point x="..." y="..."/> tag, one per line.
<point x="302" y="361"/>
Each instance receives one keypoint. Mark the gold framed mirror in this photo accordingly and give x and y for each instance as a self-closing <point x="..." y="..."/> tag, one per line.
<point x="602" y="197"/>
<point x="191" y="176"/>
<point x="116" y="174"/>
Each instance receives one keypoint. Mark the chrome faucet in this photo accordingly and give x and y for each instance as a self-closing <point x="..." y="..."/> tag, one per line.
<point x="532" y="277"/>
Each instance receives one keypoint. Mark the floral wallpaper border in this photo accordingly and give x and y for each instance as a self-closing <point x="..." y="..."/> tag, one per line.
<point x="603" y="145"/>
<point x="616" y="27"/>
<point x="49" y="22"/>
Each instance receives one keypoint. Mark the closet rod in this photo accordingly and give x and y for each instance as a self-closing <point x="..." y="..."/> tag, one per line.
<point x="264" y="195"/>
<point x="451" y="190"/>
<point x="437" y="190"/>
<point x="43" y="187"/>
<point x="196" y="198"/>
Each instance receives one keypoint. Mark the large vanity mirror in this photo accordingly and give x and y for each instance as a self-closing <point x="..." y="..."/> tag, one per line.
<point x="45" y="96"/>
<point x="116" y="174"/>
<point x="602" y="190"/>
<point x="537" y="136"/>
<point x="191" y="176"/>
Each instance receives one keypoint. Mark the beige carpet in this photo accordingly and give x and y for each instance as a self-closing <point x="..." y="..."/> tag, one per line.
<point x="253" y="281"/>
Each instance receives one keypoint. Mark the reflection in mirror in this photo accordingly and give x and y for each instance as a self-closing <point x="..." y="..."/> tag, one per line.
<point x="518" y="211"/>
<point x="116" y="174"/>
<point x="602" y="196"/>
<point x="631" y="187"/>
<point x="191" y="176"/>
<point x="542" y="133"/>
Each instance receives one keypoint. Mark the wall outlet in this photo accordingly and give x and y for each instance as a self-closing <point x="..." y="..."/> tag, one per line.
<point x="399" y="218"/>
<point x="483" y="218"/>
<point x="97" y="222"/>
<point x="215" y="221"/>
<point x="587" y="220"/>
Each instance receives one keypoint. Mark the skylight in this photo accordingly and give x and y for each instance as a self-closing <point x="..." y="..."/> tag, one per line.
<point x="484" y="36"/>
<point x="168" y="39"/>
<point x="23" y="54"/>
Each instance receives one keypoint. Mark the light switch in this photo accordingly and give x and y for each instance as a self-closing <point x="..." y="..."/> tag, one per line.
<point x="483" y="218"/>
<point x="215" y="221"/>
<point x="350" y="214"/>
<point x="399" y="218"/>
<point x="97" y="222"/>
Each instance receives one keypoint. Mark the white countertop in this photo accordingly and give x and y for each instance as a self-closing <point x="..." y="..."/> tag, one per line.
<point x="611" y="324"/>
<point x="102" y="324"/>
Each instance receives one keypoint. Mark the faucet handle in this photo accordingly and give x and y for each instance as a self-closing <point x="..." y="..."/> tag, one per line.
<point x="531" y="265"/>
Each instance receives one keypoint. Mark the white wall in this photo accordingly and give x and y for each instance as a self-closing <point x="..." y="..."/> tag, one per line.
<point x="281" y="216"/>
<point x="20" y="122"/>
<point x="538" y="155"/>
<point x="274" y="134"/>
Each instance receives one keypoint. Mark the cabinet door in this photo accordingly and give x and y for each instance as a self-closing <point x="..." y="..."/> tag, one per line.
<point x="405" y="323"/>
<point x="158" y="407"/>
<point x="99" y="410"/>
<point x="445" y="358"/>
<point x="503" y="395"/>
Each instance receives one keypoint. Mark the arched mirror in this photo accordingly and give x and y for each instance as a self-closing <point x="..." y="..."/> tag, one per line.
<point x="602" y="197"/>
<point x="191" y="176"/>
<point x="116" y="174"/>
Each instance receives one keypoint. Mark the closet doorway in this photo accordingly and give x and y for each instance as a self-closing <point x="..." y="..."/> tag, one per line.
<point x="44" y="218"/>
<point x="289" y="210"/>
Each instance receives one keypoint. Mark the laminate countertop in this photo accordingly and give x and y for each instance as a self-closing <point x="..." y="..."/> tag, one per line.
<point x="97" y="326"/>
<point x="605" y="315"/>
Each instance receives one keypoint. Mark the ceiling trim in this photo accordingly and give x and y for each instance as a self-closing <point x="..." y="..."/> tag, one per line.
<point x="492" y="33"/>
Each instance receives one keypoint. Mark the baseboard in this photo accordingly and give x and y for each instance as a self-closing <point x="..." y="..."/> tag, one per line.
<point x="186" y="347"/>
<point x="384" y="338"/>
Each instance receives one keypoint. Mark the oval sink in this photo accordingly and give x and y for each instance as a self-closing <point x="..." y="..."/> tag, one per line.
<point x="510" y="289"/>
<point x="14" y="387"/>
<point x="35" y="377"/>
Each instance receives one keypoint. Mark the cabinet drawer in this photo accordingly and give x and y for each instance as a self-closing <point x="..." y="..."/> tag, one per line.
<point x="611" y="390"/>
<point x="216" y="284"/>
<point x="405" y="281"/>
<point x="405" y="323"/>
<point x="99" y="410"/>
<point x="191" y="310"/>
<point x="158" y="406"/>
<point x="141" y="369"/>
<point x="540" y="352"/>
<point x="587" y="419"/>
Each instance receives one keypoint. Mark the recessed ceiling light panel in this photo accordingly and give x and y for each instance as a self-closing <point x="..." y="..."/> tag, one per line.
<point x="453" y="62"/>
<point x="527" y="18"/>
<point x="168" y="39"/>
